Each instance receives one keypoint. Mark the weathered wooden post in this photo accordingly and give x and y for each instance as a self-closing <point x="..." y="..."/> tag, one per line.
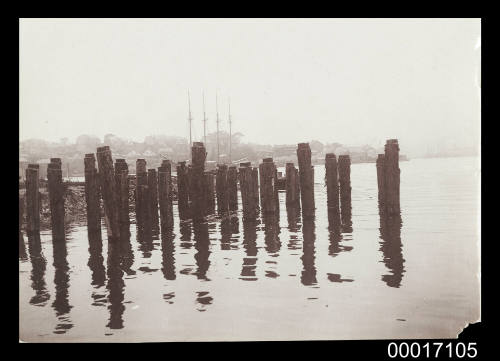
<point x="141" y="179"/>
<point x="344" y="170"/>
<point x="210" y="193"/>
<point x="122" y="190"/>
<point x="108" y="189"/>
<point x="145" y="227"/>
<point x="190" y="188"/>
<point x="276" y="194"/>
<point x="292" y="186"/>
<point x="165" y="195"/>
<point x="268" y="189"/>
<point x="221" y="189"/>
<point x="198" y="156"/>
<point x="332" y="183"/>
<point x="392" y="177"/>
<point x="92" y="197"/>
<point x="255" y="187"/>
<point x="56" y="198"/>
<point x="183" y="191"/>
<point x="153" y="196"/>
<point x="32" y="199"/>
<point x="306" y="175"/>
<point x="381" y="181"/>
<point x="247" y="191"/>
<point x="232" y="187"/>
<point x="21" y="216"/>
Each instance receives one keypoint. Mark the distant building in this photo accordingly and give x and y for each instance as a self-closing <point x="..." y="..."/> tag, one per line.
<point x="284" y="150"/>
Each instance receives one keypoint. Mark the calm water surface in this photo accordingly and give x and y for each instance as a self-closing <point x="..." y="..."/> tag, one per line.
<point x="226" y="280"/>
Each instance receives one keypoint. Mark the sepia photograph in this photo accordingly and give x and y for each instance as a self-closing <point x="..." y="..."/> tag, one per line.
<point x="249" y="179"/>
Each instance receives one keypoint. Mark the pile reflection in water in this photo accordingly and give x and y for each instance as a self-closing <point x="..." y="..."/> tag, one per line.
<point x="392" y="248"/>
<point x="308" y="277"/>
<point x="273" y="243"/>
<point x="249" y="266"/>
<point x="61" y="280"/>
<point x="168" y="255"/>
<point x="97" y="269"/>
<point x="202" y="246"/>
<point x="38" y="265"/>
<point x="335" y="231"/>
<point x="120" y="261"/>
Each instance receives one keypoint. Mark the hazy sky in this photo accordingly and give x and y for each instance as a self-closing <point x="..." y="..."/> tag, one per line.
<point x="335" y="80"/>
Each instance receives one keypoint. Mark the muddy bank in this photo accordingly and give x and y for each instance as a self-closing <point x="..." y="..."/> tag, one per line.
<point x="74" y="204"/>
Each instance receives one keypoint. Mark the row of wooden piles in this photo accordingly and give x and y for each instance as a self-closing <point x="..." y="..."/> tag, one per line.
<point x="197" y="193"/>
<point x="338" y="188"/>
<point x="153" y="192"/>
<point x="32" y="202"/>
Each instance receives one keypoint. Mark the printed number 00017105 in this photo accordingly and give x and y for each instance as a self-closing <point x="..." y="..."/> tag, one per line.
<point x="432" y="350"/>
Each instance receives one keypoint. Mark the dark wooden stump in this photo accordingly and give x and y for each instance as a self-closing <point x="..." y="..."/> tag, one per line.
<point x="32" y="199"/>
<point x="332" y="183"/>
<point x="268" y="188"/>
<point x="381" y="182"/>
<point x="344" y="170"/>
<point x="153" y="196"/>
<point x="108" y="190"/>
<point x="232" y="186"/>
<point x="141" y="179"/>
<point x="21" y="216"/>
<point x="197" y="186"/>
<point x="92" y="197"/>
<point x="210" y="193"/>
<point x="165" y="196"/>
<point x="145" y="228"/>
<point x="221" y="190"/>
<point x="306" y="176"/>
<point x="255" y="188"/>
<point x="247" y="192"/>
<point x="392" y="177"/>
<point x="292" y="186"/>
<point x="122" y="190"/>
<point x="183" y="191"/>
<point x="56" y="198"/>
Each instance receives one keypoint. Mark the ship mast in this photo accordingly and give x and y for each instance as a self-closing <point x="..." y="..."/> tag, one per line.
<point x="204" y="122"/>
<point x="217" y="120"/>
<point x="190" y="119"/>
<point x="230" y="142"/>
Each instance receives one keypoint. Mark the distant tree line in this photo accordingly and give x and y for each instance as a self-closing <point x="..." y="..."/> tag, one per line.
<point x="157" y="147"/>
